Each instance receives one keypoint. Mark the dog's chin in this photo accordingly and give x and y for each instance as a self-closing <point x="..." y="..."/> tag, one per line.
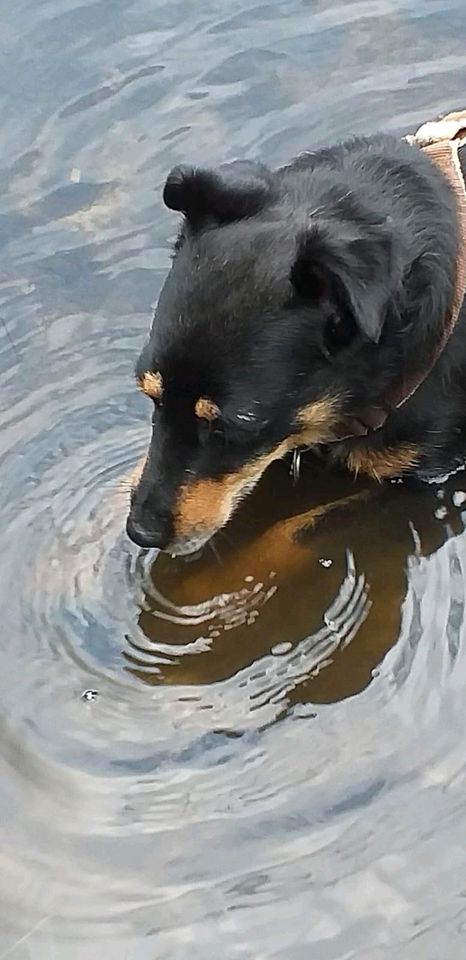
<point x="189" y="546"/>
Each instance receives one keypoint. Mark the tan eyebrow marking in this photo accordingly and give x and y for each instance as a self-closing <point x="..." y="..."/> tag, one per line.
<point x="151" y="384"/>
<point x="206" y="409"/>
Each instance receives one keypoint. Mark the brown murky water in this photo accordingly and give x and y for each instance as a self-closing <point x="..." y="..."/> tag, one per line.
<point x="259" y="752"/>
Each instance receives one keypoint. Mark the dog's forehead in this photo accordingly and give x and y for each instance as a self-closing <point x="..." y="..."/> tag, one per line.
<point x="249" y="256"/>
<point x="221" y="284"/>
<point x="223" y="328"/>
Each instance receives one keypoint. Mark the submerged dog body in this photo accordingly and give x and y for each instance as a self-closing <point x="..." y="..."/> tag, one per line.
<point x="296" y="300"/>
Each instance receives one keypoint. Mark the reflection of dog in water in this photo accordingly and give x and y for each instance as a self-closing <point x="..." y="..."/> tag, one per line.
<point x="281" y="582"/>
<point x="315" y="306"/>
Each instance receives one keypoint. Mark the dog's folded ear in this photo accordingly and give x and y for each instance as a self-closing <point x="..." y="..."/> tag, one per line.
<point x="232" y="192"/>
<point x="357" y="266"/>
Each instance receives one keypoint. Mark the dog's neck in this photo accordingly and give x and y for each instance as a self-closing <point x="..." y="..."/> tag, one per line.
<point x="441" y="141"/>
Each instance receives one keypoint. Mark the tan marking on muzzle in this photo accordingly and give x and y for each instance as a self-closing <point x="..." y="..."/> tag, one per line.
<point x="151" y="384"/>
<point x="206" y="409"/>
<point x="382" y="464"/>
<point x="206" y="505"/>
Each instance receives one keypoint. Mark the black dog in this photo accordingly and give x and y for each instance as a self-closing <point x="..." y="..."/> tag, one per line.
<point x="297" y="304"/>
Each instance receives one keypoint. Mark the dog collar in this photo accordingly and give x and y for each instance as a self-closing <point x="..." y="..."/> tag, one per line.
<point x="441" y="141"/>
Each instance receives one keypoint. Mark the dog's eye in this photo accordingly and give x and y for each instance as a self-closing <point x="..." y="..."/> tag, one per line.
<point x="338" y="332"/>
<point x="203" y="431"/>
<point x="209" y="432"/>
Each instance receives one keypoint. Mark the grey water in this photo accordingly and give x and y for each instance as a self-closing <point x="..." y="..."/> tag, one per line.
<point x="260" y="753"/>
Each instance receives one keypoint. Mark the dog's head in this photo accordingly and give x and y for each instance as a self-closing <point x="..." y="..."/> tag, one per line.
<point x="264" y="334"/>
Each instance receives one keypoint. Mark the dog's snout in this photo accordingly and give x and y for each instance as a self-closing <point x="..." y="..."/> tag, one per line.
<point x="146" y="536"/>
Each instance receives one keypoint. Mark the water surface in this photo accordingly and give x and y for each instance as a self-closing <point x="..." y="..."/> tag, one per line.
<point x="259" y="753"/>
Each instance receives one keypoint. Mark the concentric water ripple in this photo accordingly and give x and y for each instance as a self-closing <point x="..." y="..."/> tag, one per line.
<point x="192" y="763"/>
<point x="211" y="710"/>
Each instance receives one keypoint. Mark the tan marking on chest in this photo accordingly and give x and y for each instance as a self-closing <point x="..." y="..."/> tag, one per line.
<point x="382" y="464"/>
<point x="316" y="421"/>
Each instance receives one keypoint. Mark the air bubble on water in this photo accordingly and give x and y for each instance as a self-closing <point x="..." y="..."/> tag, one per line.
<point x="440" y="513"/>
<point x="459" y="498"/>
<point x="249" y="579"/>
<point x="89" y="695"/>
<point x="325" y="562"/>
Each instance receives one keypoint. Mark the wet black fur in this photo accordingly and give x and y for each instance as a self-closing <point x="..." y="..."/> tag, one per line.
<point x="330" y="276"/>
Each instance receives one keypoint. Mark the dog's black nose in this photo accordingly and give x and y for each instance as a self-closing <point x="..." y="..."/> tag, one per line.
<point x="143" y="536"/>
